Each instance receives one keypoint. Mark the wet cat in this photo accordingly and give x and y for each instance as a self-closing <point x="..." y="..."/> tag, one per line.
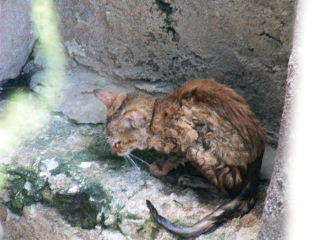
<point x="203" y="122"/>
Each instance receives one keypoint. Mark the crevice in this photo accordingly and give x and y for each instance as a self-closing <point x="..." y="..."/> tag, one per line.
<point x="168" y="10"/>
<point x="264" y="34"/>
<point x="175" y="35"/>
<point x="164" y="7"/>
<point x="73" y="121"/>
<point x="22" y="81"/>
<point x="30" y="67"/>
<point x="76" y="209"/>
<point x="26" y="187"/>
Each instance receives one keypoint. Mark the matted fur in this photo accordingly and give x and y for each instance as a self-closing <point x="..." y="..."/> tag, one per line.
<point x="203" y="122"/>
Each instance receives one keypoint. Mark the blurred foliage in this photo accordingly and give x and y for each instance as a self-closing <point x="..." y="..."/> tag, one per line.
<point x="25" y="114"/>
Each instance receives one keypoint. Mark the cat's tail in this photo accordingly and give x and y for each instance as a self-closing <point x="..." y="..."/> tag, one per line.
<point x="226" y="211"/>
<point x="238" y="206"/>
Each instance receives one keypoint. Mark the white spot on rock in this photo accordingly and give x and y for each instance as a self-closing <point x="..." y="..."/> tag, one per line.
<point x="27" y="186"/>
<point x="59" y="181"/>
<point x="85" y="164"/>
<point x="74" y="188"/>
<point x="49" y="164"/>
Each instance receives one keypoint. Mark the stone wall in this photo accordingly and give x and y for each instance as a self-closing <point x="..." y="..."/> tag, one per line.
<point x="16" y="40"/>
<point x="156" y="45"/>
<point x="151" y="46"/>
<point x="274" y="218"/>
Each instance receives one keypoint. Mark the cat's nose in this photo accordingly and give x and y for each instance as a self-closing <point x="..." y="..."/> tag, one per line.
<point x="117" y="148"/>
<point x="117" y="144"/>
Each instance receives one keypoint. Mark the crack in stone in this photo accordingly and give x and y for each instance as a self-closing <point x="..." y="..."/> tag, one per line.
<point x="168" y="10"/>
<point x="264" y="34"/>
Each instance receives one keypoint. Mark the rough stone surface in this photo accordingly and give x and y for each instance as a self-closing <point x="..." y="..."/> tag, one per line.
<point x="148" y="46"/>
<point x="3" y="216"/>
<point x="16" y="40"/>
<point x="268" y="162"/>
<point x="66" y="159"/>
<point x="40" y="222"/>
<point x="76" y="99"/>
<point x="244" y="44"/>
<point x="275" y="210"/>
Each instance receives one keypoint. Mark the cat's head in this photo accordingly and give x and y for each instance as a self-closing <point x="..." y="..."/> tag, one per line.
<point x="128" y="119"/>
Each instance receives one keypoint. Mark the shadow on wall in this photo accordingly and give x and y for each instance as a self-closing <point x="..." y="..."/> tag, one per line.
<point x="156" y="45"/>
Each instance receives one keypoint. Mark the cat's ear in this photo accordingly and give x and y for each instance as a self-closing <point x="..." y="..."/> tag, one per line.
<point x="112" y="100"/>
<point x="105" y="96"/>
<point x="136" y="118"/>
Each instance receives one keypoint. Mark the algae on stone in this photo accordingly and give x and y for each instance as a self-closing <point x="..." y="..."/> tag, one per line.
<point x="70" y="170"/>
<point x="25" y="188"/>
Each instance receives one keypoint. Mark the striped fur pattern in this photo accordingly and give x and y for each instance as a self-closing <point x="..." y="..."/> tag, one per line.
<point x="203" y="122"/>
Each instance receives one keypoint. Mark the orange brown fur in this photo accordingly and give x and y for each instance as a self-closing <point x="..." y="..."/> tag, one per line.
<point x="203" y="122"/>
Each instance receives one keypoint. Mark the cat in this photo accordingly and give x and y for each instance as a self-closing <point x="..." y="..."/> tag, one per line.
<point x="203" y="122"/>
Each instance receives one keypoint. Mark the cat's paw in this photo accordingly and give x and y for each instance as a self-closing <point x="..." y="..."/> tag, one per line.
<point x="157" y="169"/>
<point x="185" y="181"/>
<point x="189" y="181"/>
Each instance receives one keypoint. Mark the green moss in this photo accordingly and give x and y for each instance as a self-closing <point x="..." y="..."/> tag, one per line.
<point x="149" y="227"/>
<point x="3" y="178"/>
<point x="97" y="151"/>
<point x="98" y="193"/>
<point x="76" y="209"/>
<point x="25" y="187"/>
<point x="115" y="220"/>
<point x="17" y="204"/>
<point x="152" y="228"/>
<point x="81" y="209"/>
<point x="65" y="166"/>
<point x="132" y="216"/>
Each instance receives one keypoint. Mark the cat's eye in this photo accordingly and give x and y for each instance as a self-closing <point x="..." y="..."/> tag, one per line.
<point x="134" y="119"/>
<point x="126" y="123"/>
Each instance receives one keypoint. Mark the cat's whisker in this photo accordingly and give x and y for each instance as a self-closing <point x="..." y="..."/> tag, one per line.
<point x="139" y="159"/>
<point x="133" y="162"/>
<point x="127" y="160"/>
<point x="130" y="160"/>
<point x="200" y="112"/>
